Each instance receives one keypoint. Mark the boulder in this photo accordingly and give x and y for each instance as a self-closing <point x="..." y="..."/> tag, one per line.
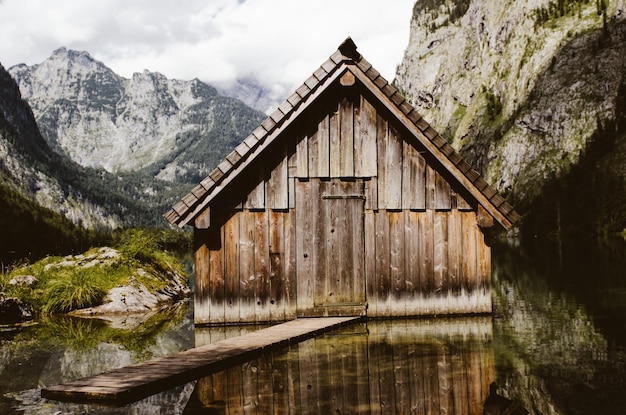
<point x="24" y="280"/>
<point x="136" y="298"/>
<point x="13" y="311"/>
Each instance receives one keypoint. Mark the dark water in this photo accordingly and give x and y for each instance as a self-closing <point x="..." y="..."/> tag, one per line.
<point x="556" y="344"/>
<point x="560" y="327"/>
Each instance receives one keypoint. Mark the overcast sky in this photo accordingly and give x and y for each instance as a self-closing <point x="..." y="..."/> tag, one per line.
<point x="280" y="42"/>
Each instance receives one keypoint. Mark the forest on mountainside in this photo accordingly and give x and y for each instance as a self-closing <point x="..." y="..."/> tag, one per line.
<point x="32" y="231"/>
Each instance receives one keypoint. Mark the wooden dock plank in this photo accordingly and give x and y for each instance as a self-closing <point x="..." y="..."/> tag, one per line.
<point x="131" y="383"/>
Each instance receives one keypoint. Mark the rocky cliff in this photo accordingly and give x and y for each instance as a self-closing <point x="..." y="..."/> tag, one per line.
<point x="173" y="130"/>
<point x="28" y="167"/>
<point x="534" y="93"/>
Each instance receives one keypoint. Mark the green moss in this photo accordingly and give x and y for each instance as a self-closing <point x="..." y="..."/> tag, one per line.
<point x="532" y="46"/>
<point x="459" y="112"/>
<point x="494" y="105"/>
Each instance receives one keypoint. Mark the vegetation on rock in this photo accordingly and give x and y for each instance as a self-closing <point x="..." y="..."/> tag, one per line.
<point x="63" y="284"/>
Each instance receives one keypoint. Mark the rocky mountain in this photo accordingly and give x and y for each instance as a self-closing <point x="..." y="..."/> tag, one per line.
<point x="41" y="202"/>
<point x="30" y="169"/>
<point x="534" y="92"/>
<point x="169" y="129"/>
<point x="83" y="150"/>
<point x="99" y="151"/>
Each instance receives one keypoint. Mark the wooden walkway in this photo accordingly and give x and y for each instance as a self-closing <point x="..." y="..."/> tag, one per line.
<point x="132" y="383"/>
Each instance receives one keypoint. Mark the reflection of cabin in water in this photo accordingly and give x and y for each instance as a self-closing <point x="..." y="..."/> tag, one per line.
<point x="435" y="367"/>
<point x="343" y="202"/>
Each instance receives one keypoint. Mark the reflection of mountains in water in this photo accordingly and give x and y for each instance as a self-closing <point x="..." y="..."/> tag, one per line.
<point x="439" y="366"/>
<point x="499" y="405"/>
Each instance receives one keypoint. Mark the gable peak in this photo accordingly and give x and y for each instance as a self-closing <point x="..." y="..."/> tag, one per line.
<point x="348" y="49"/>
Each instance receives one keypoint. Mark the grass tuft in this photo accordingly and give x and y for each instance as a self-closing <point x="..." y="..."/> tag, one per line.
<point x="80" y="288"/>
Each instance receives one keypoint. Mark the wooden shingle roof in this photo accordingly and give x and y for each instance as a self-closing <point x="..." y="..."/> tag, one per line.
<point x="345" y="58"/>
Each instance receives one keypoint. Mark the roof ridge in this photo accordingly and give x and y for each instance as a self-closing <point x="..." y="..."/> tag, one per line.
<point x="348" y="49"/>
<point x="346" y="53"/>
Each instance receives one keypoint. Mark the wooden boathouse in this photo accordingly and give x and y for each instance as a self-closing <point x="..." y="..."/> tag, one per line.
<point x="344" y="201"/>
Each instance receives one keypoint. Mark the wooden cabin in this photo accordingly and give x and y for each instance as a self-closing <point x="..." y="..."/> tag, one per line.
<point x="344" y="201"/>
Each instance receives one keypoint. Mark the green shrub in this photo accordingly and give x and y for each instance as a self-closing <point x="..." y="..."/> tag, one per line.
<point x="135" y="242"/>
<point x="138" y="245"/>
<point x="144" y="247"/>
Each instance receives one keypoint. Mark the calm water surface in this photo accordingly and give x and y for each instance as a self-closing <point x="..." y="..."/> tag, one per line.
<point x="556" y="343"/>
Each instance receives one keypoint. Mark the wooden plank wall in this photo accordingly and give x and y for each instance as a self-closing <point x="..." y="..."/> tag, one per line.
<point x="423" y="254"/>
<point x="426" y="263"/>
<point x="384" y="367"/>
<point x="251" y="274"/>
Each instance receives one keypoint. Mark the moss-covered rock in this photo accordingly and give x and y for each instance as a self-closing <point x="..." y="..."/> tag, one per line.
<point x="102" y="281"/>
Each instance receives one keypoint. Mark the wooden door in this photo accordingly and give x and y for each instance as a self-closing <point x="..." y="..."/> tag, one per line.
<point x="331" y="247"/>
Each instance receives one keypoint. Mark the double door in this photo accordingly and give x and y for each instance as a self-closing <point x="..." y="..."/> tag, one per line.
<point x="330" y="247"/>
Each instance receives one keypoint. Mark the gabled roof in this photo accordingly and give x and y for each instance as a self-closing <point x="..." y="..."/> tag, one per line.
<point x="346" y="58"/>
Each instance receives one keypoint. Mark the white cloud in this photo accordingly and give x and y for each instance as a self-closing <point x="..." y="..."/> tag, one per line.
<point x="280" y="42"/>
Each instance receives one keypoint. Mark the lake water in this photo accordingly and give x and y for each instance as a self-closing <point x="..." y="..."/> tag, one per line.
<point x="556" y="344"/>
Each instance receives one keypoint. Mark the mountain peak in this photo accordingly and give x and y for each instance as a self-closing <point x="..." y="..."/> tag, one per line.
<point x="60" y="51"/>
<point x="74" y="58"/>
<point x="63" y="52"/>
<point x="102" y="120"/>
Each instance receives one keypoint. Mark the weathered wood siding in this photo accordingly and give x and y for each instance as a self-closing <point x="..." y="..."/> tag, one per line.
<point x="250" y="274"/>
<point x="346" y="214"/>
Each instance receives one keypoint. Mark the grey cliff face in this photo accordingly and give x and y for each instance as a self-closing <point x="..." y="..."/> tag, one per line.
<point x="521" y="87"/>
